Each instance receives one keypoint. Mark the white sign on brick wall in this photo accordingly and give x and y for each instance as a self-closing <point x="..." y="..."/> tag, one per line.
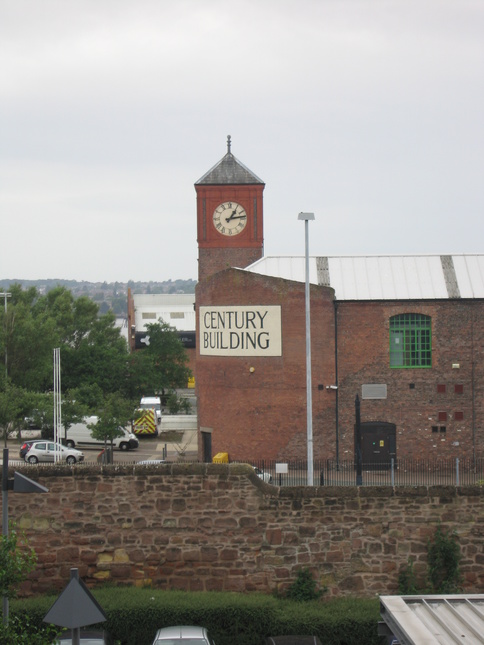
<point x="240" y="331"/>
<point x="374" y="391"/>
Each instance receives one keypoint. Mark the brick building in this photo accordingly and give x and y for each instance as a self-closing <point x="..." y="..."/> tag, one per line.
<point x="176" y="310"/>
<point x="404" y="333"/>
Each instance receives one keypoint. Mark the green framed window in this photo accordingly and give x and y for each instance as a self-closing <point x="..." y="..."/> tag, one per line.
<point x="410" y="341"/>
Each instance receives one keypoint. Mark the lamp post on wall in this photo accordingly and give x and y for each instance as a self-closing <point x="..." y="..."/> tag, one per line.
<point x="359" y="466"/>
<point x="306" y="217"/>
<point x="6" y="295"/>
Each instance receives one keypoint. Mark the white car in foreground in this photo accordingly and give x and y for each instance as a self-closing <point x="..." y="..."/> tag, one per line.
<point x="183" y="635"/>
<point x="47" y="451"/>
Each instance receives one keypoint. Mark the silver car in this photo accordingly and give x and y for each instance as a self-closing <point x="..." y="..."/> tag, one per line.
<point x="183" y="635"/>
<point x="46" y="451"/>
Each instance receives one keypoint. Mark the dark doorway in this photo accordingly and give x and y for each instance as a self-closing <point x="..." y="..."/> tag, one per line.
<point x="207" y="447"/>
<point x="378" y="445"/>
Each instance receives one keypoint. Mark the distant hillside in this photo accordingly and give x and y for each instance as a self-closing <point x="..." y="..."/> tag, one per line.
<point x="109" y="295"/>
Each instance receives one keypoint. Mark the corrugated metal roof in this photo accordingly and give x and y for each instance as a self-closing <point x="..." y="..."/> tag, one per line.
<point x="384" y="277"/>
<point x="435" y="620"/>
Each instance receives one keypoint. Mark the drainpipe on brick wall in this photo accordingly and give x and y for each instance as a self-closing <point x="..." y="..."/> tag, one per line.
<point x="473" y="390"/>
<point x="336" y="379"/>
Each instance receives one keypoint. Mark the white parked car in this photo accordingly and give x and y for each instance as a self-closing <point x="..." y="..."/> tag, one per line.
<point x="183" y="634"/>
<point x="266" y="477"/>
<point x="45" y="451"/>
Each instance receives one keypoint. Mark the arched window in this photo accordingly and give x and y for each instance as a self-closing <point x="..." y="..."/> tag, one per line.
<point x="410" y="340"/>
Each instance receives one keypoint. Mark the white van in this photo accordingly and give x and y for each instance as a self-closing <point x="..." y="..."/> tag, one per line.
<point x="152" y="403"/>
<point x="80" y="435"/>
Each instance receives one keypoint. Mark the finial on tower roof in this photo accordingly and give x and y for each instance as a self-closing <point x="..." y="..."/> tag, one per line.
<point x="229" y="143"/>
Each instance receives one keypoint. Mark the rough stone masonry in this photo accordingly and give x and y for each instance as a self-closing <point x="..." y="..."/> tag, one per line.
<point x="219" y="527"/>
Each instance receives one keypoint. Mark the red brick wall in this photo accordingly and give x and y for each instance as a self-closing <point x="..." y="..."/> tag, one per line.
<point x="263" y="413"/>
<point x="218" y="252"/>
<point x="363" y="357"/>
<point x="212" y="260"/>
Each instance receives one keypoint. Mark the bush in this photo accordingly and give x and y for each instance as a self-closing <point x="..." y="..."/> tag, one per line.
<point x="135" y="614"/>
<point x="304" y="588"/>
<point x="443" y="561"/>
<point x="443" y="571"/>
<point x="23" y="629"/>
<point x="407" y="581"/>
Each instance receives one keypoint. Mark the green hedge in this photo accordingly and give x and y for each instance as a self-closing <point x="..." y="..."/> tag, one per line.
<point x="134" y="615"/>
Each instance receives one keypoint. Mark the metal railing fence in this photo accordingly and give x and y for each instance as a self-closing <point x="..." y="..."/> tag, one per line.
<point x="399" y="472"/>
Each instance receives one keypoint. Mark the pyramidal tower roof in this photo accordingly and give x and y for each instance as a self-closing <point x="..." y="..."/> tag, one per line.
<point x="229" y="170"/>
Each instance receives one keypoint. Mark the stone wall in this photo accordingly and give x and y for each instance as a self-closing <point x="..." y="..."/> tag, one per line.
<point x="219" y="527"/>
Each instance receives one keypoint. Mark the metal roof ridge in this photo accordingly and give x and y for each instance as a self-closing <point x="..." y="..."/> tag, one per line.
<point x="370" y="255"/>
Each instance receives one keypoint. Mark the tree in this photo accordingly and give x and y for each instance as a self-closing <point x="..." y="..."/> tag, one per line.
<point x="113" y="416"/>
<point x="15" y="405"/>
<point x="30" y="339"/>
<point x="17" y="559"/>
<point x="92" y="347"/>
<point x="73" y="410"/>
<point x="41" y="412"/>
<point x="162" y="366"/>
<point x="99" y="357"/>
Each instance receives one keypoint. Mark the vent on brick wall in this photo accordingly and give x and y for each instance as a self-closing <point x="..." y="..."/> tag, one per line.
<point x="374" y="391"/>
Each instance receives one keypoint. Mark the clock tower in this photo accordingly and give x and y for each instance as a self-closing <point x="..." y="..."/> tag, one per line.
<point x="229" y="216"/>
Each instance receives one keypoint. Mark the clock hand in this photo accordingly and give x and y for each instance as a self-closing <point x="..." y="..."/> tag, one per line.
<point x="232" y="216"/>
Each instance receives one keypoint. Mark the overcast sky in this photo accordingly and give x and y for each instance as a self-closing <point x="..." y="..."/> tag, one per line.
<point x="370" y="113"/>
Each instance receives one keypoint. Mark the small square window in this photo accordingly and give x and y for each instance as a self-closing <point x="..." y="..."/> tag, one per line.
<point x="435" y="428"/>
<point x="441" y="388"/>
<point x="458" y="388"/>
<point x="442" y="416"/>
<point x="458" y="416"/>
<point x="443" y="429"/>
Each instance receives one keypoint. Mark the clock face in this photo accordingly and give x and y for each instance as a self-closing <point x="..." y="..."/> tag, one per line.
<point x="230" y="218"/>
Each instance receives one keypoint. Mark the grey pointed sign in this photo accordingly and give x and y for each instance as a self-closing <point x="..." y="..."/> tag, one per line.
<point x="76" y="606"/>
<point x="23" y="484"/>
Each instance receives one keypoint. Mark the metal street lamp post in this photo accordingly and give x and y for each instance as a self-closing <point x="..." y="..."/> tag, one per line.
<point x="6" y="295"/>
<point x="359" y="467"/>
<point x="306" y="217"/>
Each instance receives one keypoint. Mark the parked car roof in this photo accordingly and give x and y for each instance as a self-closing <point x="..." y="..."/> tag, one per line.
<point x="293" y="640"/>
<point x="179" y="634"/>
<point x="87" y="637"/>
